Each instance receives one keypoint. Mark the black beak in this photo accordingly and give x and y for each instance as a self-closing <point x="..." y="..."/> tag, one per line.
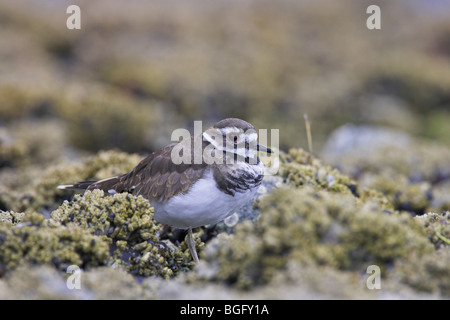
<point x="262" y="148"/>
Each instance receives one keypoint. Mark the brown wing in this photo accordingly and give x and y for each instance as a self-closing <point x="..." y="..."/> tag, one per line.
<point x="156" y="177"/>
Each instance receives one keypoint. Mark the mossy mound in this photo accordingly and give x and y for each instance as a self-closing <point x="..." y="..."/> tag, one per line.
<point x="38" y="191"/>
<point x="314" y="228"/>
<point x="414" y="178"/>
<point x="300" y="169"/>
<point x="93" y="230"/>
<point x="99" y="119"/>
<point x="11" y="217"/>
<point x="35" y="241"/>
<point x="18" y="102"/>
<point x="125" y="221"/>
<point x="31" y="142"/>
<point x="315" y="218"/>
<point x="437" y="227"/>
<point x="428" y="273"/>
<point x="10" y="153"/>
<point x="44" y="282"/>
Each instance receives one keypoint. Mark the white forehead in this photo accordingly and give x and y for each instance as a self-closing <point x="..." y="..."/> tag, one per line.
<point x="250" y="134"/>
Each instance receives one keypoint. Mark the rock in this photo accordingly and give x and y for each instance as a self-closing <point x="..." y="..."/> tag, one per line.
<point x="358" y="139"/>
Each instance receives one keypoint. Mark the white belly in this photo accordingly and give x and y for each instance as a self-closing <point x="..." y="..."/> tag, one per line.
<point x="203" y="204"/>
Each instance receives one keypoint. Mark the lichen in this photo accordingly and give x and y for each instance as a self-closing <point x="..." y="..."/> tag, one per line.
<point x="93" y="230"/>
<point x="11" y="216"/>
<point x="314" y="228"/>
<point x="35" y="241"/>
<point x="301" y="169"/>
<point x="42" y="194"/>
<point x="43" y="282"/>
<point x="18" y="102"/>
<point x="437" y="227"/>
<point x="414" y="179"/>
<point x="429" y="273"/>
<point x="97" y="120"/>
<point x="126" y="221"/>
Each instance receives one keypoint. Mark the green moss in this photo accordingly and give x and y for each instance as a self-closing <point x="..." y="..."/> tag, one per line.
<point x="300" y="169"/>
<point x="11" y="217"/>
<point x="11" y="153"/>
<point x="43" y="195"/>
<point x="413" y="178"/>
<point x="93" y="230"/>
<point x="437" y="227"/>
<point x="414" y="198"/>
<point x="313" y="228"/>
<point x="29" y="142"/>
<point x="139" y="78"/>
<point x="99" y="121"/>
<point x="44" y="282"/>
<point x="436" y="126"/>
<point x="34" y="241"/>
<point x="20" y="102"/>
<point x="429" y="273"/>
<point x="424" y="89"/>
<point x="126" y="222"/>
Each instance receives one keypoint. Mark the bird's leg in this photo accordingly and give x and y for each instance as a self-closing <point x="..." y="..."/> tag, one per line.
<point x="191" y="245"/>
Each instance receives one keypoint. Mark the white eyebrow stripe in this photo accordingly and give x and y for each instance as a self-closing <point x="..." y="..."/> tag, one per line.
<point x="212" y="141"/>
<point x="228" y="130"/>
<point x="252" y="136"/>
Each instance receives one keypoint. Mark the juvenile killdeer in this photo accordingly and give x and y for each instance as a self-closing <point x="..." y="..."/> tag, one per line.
<point x="189" y="194"/>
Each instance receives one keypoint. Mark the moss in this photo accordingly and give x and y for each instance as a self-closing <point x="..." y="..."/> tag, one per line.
<point x="137" y="78"/>
<point x="34" y="241"/>
<point x="424" y="89"/>
<point x="98" y="121"/>
<point x="414" y="198"/>
<point x="201" y="62"/>
<point x="93" y="230"/>
<point x="42" y="194"/>
<point x="429" y="273"/>
<point x="37" y="282"/>
<point x="413" y="178"/>
<point x="11" y="217"/>
<point x="11" y="153"/>
<point x="31" y="143"/>
<point x="300" y="169"/>
<point x="313" y="228"/>
<point x="45" y="282"/>
<point x="109" y="283"/>
<point x="437" y="227"/>
<point x="436" y="126"/>
<point x="18" y="102"/>
<point x="126" y="221"/>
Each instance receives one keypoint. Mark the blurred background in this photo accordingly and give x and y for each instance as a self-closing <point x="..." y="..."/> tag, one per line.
<point x="139" y="69"/>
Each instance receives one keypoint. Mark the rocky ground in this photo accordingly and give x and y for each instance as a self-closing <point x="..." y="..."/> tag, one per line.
<point x="312" y="232"/>
<point x="89" y="104"/>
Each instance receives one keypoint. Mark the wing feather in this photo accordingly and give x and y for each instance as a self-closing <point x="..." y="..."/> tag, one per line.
<point x="156" y="177"/>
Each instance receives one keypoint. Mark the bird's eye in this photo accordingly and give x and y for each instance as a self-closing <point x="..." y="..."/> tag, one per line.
<point x="233" y="137"/>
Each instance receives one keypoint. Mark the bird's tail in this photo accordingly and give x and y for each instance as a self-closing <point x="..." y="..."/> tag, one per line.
<point x="77" y="186"/>
<point x="109" y="185"/>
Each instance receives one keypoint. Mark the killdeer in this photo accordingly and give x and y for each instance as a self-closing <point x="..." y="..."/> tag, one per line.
<point x="189" y="195"/>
